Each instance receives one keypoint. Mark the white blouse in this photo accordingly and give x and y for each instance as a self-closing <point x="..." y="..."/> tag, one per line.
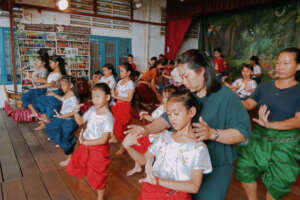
<point x="158" y="112"/>
<point x="256" y="70"/>
<point x="241" y="91"/>
<point x="123" y="90"/>
<point x="54" y="76"/>
<point x="41" y="73"/>
<point x="97" y="124"/>
<point x="110" y="81"/>
<point x="175" y="76"/>
<point x="68" y="105"/>
<point x="175" y="161"/>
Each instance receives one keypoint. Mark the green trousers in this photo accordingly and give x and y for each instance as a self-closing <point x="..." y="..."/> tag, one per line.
<point x="274" y="155"/>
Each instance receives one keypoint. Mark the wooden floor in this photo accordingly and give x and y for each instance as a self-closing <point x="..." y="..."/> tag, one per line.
<point x="30" y="170"/>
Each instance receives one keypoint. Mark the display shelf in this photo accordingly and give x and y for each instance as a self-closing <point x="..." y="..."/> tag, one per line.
<point x="74" y="48"/>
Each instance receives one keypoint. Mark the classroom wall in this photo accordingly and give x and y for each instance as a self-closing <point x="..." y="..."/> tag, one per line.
<point x="146" y="39"/>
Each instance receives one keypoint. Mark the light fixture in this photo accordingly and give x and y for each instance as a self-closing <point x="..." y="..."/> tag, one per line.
<point x="137" y="4"/>
<point x="62" y="4"/>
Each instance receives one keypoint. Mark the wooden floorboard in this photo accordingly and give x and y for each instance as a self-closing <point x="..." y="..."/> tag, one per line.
<point x="30" y="170"/>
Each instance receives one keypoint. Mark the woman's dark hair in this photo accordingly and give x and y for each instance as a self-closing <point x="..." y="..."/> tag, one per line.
<point x="128" y="67"/>
<point x="73" y="80"/>
<point x="219" y="50"/>
<point x="170" y="89"/>
<point x="103" y="87"/>
<point x="297" y="52"/>
<point x="112" y="68"/>
<point x="61" y="63"/>
<point x="44" y="57"/>
<point x="255" y="59"/>
<point x="196" y="61"/>
<point x="171" y="62"/>
<point x="184" y="96"/>
<point x="247" y="66"/>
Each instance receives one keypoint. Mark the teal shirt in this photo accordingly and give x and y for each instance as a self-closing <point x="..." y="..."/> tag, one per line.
<point x="223" y="110"/>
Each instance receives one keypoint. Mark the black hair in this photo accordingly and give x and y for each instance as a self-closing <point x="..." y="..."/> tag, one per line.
<point x="195" y="61"/>
<point x="44" y="57"/>
<point x="112" y="68"/>
<point x="128" y="68"/>
<point x="161" y="55"/>
<point x="297" y="52"/>
<point x="98" y="73"/>
<point x="103" y="87"/>
<point x="184" y="96"/>
<point x="136" y="74"/>
<point x="73" y="81"/>
<point x="247" y="66"/>
<point x="61" y="62"/>
<point x="255" y="59"/>
<point x="154" y="58"/>
<point x="219" y="50"/>
<point x="162" y="61"/>
<point x="170" y="89"/>
<point x="130" y="55"/>
<point x="171" y="62"/>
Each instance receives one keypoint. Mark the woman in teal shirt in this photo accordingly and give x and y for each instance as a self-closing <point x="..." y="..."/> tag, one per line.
<point x="224" y="122"/>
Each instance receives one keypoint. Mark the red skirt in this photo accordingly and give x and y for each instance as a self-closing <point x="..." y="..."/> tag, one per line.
<point x="144" y="144"/>
<point x="146" y="93"/>
<point x="122" y="112"/>
<point x="93" y="162"/>
<point x="153" y="192"/>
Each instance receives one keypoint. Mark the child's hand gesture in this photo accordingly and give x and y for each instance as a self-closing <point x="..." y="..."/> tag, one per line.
<point x="142" y="114"/>
<point x="131" y="139"/>
<point x="57" y="115"/>
<point x="150" y="178"/>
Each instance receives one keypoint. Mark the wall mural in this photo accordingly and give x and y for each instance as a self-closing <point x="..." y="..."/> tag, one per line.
<point x="260" y="31"/>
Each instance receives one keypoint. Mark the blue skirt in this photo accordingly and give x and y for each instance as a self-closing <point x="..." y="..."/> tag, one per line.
<point x="61" y="132"/>
<point x="31" y="96"/>
<point x="47" y="104"/>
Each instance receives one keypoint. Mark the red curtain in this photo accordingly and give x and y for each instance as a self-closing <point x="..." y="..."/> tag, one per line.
<point x="176" y="31"/>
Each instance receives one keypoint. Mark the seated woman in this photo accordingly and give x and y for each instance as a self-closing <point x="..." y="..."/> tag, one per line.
<point x="180" y="161"/>
<point x="245" y="86"/>
<point x="47" y="104"/>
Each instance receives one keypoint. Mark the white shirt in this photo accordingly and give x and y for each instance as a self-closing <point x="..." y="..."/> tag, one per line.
<point x="41" y="73"/>
<point x="97" y="124"/>
<point x="68" y="105"/>
<point x="241" y="91"/>
<point x="158" y="112"/>
<point x="110" y="81"/>
<point x="54" y="76"/>
<point x="123" y="90"/>
<point x="175" y="161"/>
<point x="175" y="76"/>
<point x="256" y="70"/>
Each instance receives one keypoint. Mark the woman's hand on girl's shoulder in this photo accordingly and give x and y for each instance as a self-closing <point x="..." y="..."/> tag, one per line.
<point x="202" y="130"/>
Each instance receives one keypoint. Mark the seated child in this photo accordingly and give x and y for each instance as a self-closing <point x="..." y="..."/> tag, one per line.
<point x="62" y="126"/>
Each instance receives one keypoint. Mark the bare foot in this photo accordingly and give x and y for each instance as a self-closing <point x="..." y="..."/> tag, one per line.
<point x="137" y="168"/>
<point x="65" y="162"/>
<point x="120" y="151"/>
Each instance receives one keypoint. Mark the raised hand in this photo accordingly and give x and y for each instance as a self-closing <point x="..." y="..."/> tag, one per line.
<point x="131" y="139"/>
<point x="263" y="114"/>
<point x="140" y="130"/>
<point x="202" y="130"/>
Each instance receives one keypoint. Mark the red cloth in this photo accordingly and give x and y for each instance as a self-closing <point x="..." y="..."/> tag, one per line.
<point x="144" y="144"/>
<point x="133" y="66"/>
<point x="93" y="162"/>
<point x="222" y="65"/>
<point x="146" y="93"/>
<point x="8" y="109"/>
<point x="176" y="31"/>
<point x="86" y="106"/>
<point x="122" y="112"/>
<point x="19" y="115"/>
<point x="153" y="192"/>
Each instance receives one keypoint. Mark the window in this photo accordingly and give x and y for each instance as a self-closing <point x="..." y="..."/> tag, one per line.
<point x="163" y="20"/>
<point x="114" y="8"/>
<point x="6" y="74"/>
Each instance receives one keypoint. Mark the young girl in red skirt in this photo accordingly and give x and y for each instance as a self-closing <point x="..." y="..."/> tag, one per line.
<point x="145" y="141"/>
<point x="180" y="160"/>
<point x="122" y="110"/>
<point x="92" y="157"/>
